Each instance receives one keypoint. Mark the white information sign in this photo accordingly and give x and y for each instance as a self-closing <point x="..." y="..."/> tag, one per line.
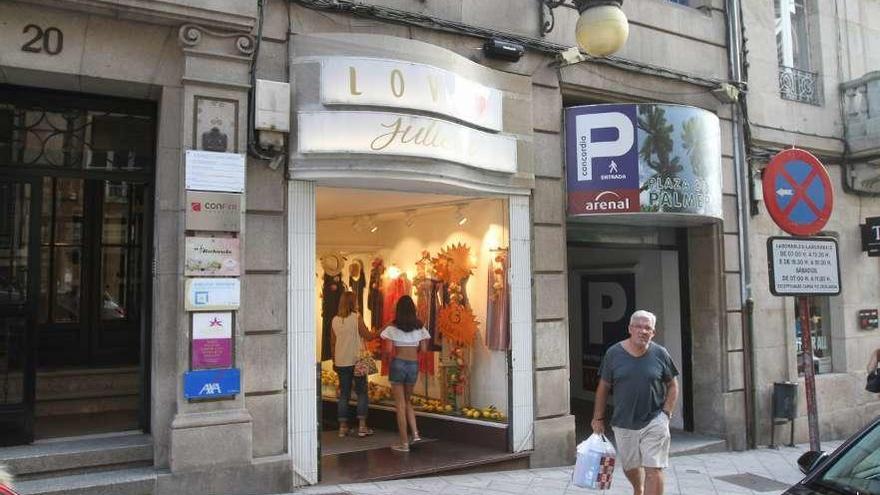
<point x="211" y="294"/>
<point x="212" y="326"/>
<point x="392" y="83"/>
<point x="801" y="266"/>
<point x="213" y="171"/>
<point x="381" y="133"/>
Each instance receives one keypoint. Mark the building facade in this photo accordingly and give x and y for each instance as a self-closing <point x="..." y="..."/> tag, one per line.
<point x="110" y="111"/>
<point x="812" y="86"/>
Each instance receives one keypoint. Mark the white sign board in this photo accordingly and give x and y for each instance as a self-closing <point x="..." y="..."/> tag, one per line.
<point x="212" y="326"/>
<point x="212" y="256"/>
<point x="211" y="294"/>
<point x="803" y="266"/>
<point x="213" y="171"/>
<point x="391" y="83"/>
<point x="394" y="134"/>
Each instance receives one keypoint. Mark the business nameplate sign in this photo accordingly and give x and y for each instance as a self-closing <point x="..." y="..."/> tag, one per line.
<point x="211" y="294"/>
<point x="214" y="171"/>
<point x="212" y="384"/>
<point x="211" y="340"/>
<point x="396" y="84"/>
<point x="803" y="266"/>
<point x="394" y="134"/>
<point x="212" y="256"/>
<point x="213" y="211"/>
<point x="645" y="159"/>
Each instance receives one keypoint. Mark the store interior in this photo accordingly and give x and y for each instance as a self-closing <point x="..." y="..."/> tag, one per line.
<point x="449" y="253"/>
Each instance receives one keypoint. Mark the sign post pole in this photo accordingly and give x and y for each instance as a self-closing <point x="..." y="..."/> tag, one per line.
<point x="799" y="198"/>
<point x="809" y="372"/>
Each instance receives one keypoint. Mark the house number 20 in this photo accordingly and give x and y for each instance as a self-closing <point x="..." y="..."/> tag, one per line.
<point x="49" y="40"/>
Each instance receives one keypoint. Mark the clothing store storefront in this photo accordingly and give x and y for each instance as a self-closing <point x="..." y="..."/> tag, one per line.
<point x="405" y="179"/>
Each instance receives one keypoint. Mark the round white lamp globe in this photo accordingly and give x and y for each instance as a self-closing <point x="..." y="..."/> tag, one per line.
<point x="602" y="30"/>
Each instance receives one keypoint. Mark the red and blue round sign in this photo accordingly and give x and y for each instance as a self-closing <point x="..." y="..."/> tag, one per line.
<point x="797" y="192"/>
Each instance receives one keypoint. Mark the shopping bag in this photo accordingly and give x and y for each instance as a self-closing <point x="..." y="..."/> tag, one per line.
<point x="595" y="463"/>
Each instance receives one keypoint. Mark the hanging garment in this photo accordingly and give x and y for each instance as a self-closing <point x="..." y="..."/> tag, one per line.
<point x="357" y="285"/>
<point x="498" y="305"/>
<point x="330" y="295"/>
<point x="375" y="296"/>
<point x="427" y="303"/>
<point x="395" y="288"/>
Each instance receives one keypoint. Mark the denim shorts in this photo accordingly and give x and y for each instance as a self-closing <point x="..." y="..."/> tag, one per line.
<point x="403" y="371"/>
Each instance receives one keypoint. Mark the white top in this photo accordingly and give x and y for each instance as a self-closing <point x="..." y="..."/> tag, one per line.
<point x="348" y="342"/>
<point x="405" y="339"/>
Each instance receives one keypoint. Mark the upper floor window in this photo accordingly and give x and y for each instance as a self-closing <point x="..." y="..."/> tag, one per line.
<point x="798" y="79"/>
<point x="680" y="2"/>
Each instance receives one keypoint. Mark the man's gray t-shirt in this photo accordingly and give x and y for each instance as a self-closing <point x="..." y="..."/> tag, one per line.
<point x="638" y="384"/>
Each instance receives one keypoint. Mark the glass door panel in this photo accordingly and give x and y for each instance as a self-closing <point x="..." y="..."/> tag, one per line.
<point x="18" y="262"/>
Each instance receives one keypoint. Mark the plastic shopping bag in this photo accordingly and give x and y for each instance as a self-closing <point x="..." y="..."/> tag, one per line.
<point x="595" y="463"/>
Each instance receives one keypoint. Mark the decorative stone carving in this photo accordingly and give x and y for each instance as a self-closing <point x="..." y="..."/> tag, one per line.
<point x="190" y="35"/>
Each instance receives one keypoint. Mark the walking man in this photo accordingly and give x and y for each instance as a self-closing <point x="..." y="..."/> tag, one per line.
<point x="641" y="375"/>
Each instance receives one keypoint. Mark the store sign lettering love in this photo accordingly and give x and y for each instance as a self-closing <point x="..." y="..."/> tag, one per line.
<point x="397" y="84"/>
<point x="395" y="134"/>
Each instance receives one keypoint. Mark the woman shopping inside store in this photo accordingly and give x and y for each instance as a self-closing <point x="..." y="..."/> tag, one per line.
<point x="348" y="331"/>
<point x="406" y="336"/>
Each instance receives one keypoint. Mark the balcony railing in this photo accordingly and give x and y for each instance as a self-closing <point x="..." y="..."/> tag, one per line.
<point x="861" y="103"/>
<point x="800" y="85"/>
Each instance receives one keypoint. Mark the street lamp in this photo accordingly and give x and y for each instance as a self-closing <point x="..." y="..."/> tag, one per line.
<point x="601" y="29"/>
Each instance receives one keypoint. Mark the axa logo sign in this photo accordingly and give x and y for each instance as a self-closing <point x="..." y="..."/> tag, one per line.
<point x="601" y="136"/>
<point x="210" y="389"/>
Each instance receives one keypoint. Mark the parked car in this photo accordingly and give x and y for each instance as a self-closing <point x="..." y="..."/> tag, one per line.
<point x="852" y="469"/>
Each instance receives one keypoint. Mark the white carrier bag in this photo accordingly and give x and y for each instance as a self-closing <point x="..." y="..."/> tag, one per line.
<point x="595" y="463"/>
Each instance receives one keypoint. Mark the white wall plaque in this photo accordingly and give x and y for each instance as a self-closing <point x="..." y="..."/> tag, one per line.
<point x="213" y="171"/>
<point x="391" y="83"/>
<point x="383" y="133"/>
<point x="212" y="256"/>
<point x="212" y="325"/>
<point x="211" y="294"/>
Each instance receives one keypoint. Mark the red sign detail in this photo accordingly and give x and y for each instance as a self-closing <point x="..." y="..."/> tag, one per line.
<point x="781" y="215"/>
<point x="196" y="206"/>
<point x="598" y="202"/>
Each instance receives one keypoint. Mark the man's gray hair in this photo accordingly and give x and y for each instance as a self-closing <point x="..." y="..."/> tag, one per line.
<point x="644" y="315"/>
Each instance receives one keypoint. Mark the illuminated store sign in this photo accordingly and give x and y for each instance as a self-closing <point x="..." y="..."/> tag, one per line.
<point x="643" y="159"/>
<point x="383" y="133"/>
<point x="389" y="83"/>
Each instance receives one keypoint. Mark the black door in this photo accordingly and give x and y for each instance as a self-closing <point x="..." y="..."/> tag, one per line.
<point x="19" y="285"/>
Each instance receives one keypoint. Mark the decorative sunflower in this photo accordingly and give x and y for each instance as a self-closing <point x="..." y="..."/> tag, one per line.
<point x="457" y="323"/>
<point x="453" y="263"/>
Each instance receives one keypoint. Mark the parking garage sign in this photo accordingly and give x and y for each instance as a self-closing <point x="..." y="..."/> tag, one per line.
<point x="803" y="266"/>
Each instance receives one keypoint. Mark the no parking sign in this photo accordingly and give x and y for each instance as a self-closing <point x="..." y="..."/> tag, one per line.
<point x="797" y="191"/>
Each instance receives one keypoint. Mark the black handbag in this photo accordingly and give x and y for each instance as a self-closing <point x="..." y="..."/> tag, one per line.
<point x="873" y="382"/>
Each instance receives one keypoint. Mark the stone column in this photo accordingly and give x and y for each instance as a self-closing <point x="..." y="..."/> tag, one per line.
<point x="216" y="80"/>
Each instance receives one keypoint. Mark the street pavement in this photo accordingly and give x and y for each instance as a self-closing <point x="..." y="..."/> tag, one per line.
<point x="762" y="471"/>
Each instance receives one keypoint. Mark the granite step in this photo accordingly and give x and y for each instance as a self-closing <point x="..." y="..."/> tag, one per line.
<point x="78" y="455"/>
<point x="133" y="481"/>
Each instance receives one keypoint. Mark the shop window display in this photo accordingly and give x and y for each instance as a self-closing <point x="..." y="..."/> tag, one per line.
<point x="820" y="331"/>
<point x="450" y="255"/>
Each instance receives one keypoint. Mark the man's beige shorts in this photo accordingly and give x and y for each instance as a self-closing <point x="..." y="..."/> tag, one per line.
<point x="648" y="447"/>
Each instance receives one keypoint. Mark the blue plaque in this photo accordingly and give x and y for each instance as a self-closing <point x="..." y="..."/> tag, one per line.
<point x="211" y="384"/>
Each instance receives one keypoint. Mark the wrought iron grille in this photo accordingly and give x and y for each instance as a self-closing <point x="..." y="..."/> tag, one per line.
<point x="40" y="130"/>
<point x="800" y="85"/>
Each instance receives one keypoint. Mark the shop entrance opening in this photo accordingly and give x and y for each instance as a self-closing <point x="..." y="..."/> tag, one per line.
<point x="75" y="230"/>
<point x="611" y="276"/>
<point x="449" y="253"/>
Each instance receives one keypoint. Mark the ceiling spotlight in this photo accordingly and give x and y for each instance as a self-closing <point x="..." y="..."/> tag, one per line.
<point x="410" y="218"/>
<point x="460" y="217"/>
<point x="372" y="223"/>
